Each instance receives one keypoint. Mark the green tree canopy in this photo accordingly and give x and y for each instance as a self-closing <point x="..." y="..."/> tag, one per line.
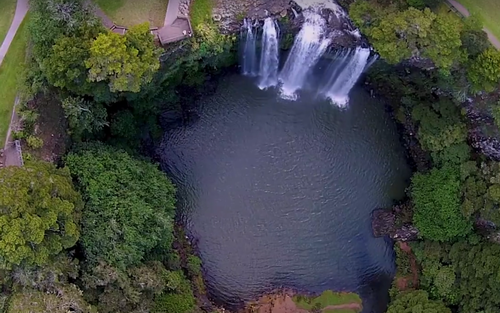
<point x="129" y="205"/>
<point x="125" y="62"/>
<point x="484" y="71"/>
<point x="436" y="196"/>
<point x="68" y="299"/>
<point x="416" y="302"/>
<point x="39" y="211"/>
<point x="401" y="34"/>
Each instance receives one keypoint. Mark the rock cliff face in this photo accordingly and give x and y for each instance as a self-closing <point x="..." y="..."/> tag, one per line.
<point x="230" y="14"/>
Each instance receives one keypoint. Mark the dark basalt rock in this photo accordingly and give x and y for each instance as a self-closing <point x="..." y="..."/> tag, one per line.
<point x="384" y="224"/>
<point x="483" y="133"/>
<point x="230" y="14"/>
<point x="488" y="230"/>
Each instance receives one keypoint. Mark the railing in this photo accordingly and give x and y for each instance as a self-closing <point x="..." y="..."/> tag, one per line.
<point x="19" y="152"/>
<point x="452" y="8"/>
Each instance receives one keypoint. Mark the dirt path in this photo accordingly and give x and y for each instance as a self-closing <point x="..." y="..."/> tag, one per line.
<point x="494" y="40"/>
<point x="404" y="282"/>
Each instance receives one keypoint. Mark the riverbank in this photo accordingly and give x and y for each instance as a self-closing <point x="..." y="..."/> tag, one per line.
<point x="287" y="301"/>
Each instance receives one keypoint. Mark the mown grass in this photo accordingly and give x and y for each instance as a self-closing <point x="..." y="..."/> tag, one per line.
<point x="327" y="298"/>
<point x="10" y="71"/>
<point x="200" y="12"/>
<point x="132" y="12"/>
<point x="488" y="12"/>
<point x="7" y="10"/>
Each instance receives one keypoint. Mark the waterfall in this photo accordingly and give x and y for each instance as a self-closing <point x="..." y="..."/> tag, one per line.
<point x="249" y="50"/>
<point x="269" y="60"/>
<point x="338" y="86"/>
<point x="308" y="47"/>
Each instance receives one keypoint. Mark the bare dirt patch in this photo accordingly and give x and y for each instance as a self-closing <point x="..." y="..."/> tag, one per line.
<point x="51" y="126"/>
<point x="410" y="281"/>
<point x="283" y="302"/>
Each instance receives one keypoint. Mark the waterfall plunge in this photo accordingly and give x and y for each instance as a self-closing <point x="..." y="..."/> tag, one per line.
<point x="269" y="60"/>
<point x="250" y="50"/>
<point x="308" y="47"/>
<point x="346" y="72"/>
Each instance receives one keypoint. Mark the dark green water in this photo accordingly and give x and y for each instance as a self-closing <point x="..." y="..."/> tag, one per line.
<point x="279" y="193"/>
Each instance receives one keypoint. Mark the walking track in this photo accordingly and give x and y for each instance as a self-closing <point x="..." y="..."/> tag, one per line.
<point x="21" y="10"/>
<point x="10" y="153"/>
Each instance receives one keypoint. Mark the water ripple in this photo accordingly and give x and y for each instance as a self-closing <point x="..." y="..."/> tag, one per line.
<point x="280" y="193"/>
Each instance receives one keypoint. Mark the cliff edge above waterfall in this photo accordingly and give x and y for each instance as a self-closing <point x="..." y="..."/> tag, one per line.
<point x="230" y="14"/>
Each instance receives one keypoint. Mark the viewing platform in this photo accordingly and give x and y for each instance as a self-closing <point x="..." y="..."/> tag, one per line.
<point x="176" y="26"/>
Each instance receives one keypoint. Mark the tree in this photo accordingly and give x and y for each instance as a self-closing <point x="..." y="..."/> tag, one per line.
<point x="440" y="125"/>
<point x="484" y="71"/>
<point x="84" y="117"/>
<point x="129" y="205"/>
<point x="125" y="62"/>
<point x="65" y="65"/>
<point x="67" y="299"/>
<point x="442" y="45"/>
<point x="416" y="301"/>
<point x="398" y="34"/>
<point x="39" y="211"/>
<point x="436" y="196"/>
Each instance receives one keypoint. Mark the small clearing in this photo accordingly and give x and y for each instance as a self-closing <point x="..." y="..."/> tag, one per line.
<point x="132" y="12"/>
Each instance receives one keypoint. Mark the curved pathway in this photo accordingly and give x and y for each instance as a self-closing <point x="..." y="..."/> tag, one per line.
<point x="10" y="153"/>
<point x="21" y="10"/>
<point x="494" y="40"/>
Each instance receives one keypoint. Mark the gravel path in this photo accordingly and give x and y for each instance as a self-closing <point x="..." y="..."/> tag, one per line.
<point x="21" y="10"/>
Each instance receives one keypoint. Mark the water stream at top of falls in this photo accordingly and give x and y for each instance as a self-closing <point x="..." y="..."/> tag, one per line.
<point x="269" y="60"/>
<point x="308" y="47"/>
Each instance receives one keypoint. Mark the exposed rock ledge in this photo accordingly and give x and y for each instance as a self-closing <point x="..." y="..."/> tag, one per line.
<point x="230" y="14"/>
<point x="386" y="223"/>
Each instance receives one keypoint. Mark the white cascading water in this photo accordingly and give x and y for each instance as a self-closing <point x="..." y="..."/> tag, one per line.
<point x="250" y="50"/>
<point x="342" y="83"/>
<point x="269" y="60"/>
<point x="308" y="47"/>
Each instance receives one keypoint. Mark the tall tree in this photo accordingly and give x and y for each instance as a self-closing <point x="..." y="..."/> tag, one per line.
<point x="125" y="62"/>
<point x="416" y="302"/>
<point x="39" y="211"/>
<point x="484" y="71"/>
<point x="436" y="196"/>
<point x="129" y="205"/>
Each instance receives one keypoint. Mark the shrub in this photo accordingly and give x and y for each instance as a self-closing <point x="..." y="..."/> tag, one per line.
<point x="34" y="142"/>
<point x="194" y="265"/>
<point x="436" y="196"/>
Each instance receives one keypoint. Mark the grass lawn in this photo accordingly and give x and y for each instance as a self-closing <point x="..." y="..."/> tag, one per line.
<point x="133" y="12"/>
<point x="327" y="298"/>
<point x="7" y="9"/>
<point x="9" y="77"/>
<point x="488" y="11"/>
<point x="200" y="12"/>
